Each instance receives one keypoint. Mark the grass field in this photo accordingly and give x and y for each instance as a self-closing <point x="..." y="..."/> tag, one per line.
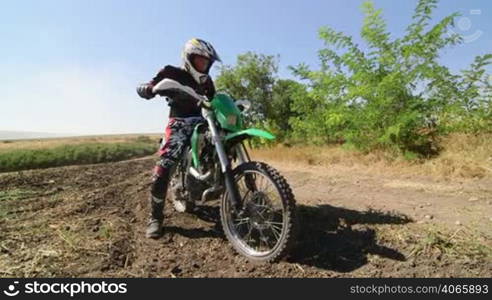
<point x="43" y="153"/>
<point x="466" y="156"/>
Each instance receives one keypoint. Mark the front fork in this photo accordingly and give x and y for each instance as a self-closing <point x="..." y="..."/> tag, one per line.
<point x="243" y="157"/>
<point x="225" y="163"/>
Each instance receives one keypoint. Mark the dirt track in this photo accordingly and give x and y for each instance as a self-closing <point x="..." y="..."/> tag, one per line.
<point x="87" y="221"/>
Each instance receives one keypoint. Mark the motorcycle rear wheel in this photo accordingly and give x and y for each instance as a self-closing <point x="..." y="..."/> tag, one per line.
<point x="179" y="202"/>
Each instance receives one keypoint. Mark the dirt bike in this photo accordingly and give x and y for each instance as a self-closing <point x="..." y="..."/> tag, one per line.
<point x="257" y="206"/>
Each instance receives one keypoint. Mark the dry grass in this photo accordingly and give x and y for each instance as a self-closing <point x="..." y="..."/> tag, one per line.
<point x="465" y="156"/>
<point x="53" y="243"/>
<point x="47" y="143"/>
<point x="438" y="241"/>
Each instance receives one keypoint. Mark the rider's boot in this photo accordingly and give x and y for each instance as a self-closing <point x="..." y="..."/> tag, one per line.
<point x="154" y="225"/>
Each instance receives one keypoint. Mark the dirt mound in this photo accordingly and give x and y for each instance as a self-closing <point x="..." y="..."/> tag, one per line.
<point x="84" y="221"/>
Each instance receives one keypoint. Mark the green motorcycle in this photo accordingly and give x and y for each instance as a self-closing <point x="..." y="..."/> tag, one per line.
<point x="257" y="208"/>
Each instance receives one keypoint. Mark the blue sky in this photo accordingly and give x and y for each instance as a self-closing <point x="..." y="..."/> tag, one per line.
<point x="72" y="66"/>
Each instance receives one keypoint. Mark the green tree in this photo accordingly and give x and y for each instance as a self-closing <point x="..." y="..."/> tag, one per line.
<point x="283" y="94"/>
<point x="389" y="93"/>
<point x="251" y="78"/>
<point x="471" y="108"/>
<point x="254" y="77"/>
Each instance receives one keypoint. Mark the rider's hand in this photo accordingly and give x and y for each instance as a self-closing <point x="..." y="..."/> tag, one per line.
<point x="145" y="91"/>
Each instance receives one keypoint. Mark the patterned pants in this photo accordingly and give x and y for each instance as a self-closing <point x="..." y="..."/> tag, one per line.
<point x="176" y="139"/>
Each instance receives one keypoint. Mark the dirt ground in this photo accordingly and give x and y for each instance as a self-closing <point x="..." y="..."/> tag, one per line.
<point x="89" y="221"/>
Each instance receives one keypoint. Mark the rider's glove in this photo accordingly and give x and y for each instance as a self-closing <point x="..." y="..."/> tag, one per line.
<point x="145" y="91"/>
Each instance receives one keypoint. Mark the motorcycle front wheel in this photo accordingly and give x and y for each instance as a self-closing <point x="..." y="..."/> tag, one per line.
<point x="264" y="229"/>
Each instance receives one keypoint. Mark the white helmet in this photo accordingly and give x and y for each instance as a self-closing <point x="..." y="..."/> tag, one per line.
<point x="198" y="47"/>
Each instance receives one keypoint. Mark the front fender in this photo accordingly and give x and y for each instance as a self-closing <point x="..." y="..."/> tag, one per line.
<point x="250" y="132"/>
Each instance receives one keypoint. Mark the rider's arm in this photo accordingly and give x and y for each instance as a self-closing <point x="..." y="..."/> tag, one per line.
<point x="209" y="88"/>
<point x="145" y="90"/>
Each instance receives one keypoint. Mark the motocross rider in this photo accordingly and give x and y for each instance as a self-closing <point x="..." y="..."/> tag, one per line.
<point x="198" y="57"/>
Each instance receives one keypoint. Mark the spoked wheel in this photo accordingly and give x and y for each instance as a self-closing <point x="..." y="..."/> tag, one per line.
<point x="264" y="228"/>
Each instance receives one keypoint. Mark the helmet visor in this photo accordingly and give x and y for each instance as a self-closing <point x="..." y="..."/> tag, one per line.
<point x="200" y="63"/>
